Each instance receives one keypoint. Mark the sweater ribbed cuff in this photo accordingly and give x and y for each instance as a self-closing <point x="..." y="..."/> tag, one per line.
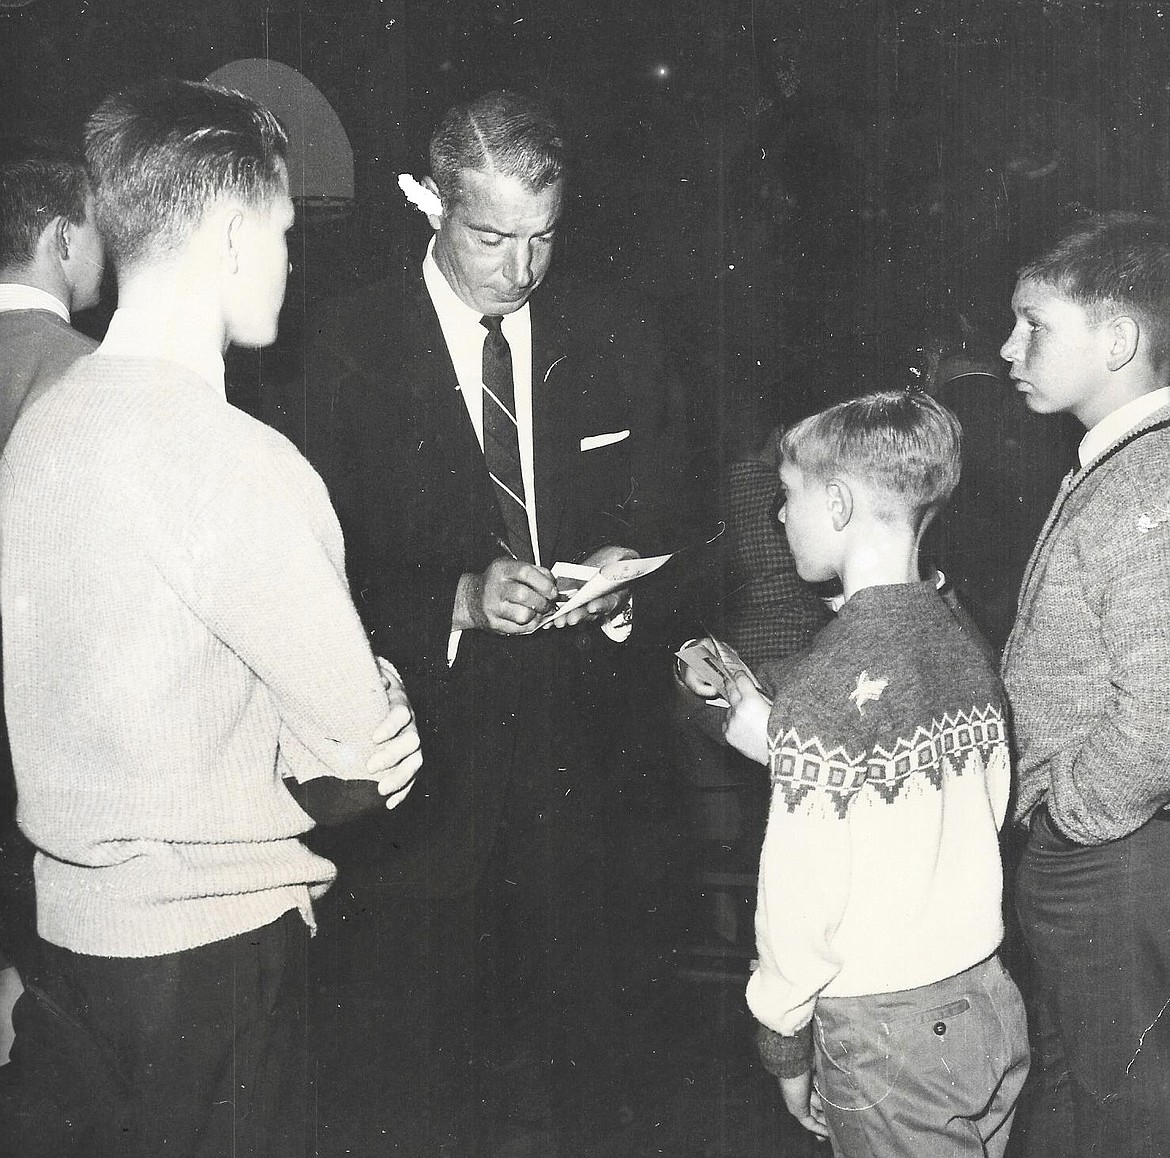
<point x="785" y="1057"/>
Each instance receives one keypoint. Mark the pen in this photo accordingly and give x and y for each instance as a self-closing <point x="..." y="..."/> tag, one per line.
<point x="501" y="542"/>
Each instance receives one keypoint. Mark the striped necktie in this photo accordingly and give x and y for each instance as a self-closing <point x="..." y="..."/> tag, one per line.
<point x="501" y="437"/>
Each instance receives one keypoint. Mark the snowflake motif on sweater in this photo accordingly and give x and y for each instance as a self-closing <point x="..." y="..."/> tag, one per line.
<point x="868" y="691"/>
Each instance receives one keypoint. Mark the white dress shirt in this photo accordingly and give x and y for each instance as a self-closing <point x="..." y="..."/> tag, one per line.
<point x="465" y="336"/>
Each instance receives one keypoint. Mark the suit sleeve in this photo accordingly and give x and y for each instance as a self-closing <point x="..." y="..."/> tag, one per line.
<point x="353" y="424"/>
<point x="406" y="551"/>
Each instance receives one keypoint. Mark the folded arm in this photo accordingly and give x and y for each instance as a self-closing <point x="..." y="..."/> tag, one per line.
<point x="260" y="578"/>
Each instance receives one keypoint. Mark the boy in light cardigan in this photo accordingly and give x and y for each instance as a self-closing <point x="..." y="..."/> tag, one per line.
<point x="879" y="911"/>
<point x="1087" y="670"/>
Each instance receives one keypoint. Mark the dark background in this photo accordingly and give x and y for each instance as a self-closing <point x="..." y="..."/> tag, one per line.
<point x="799" y="183"/>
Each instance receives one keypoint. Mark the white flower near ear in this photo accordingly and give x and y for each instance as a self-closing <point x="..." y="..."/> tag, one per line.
<point x="867" y="691"/>
<point x="420" y="196"/>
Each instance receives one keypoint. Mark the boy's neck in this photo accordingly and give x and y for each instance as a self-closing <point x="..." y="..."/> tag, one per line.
<point x="183" y="306"/>
<point x="1120" y="389"/>
<point x="883" y="561"/>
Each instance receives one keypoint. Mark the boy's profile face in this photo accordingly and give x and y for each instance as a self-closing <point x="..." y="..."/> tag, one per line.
<point x="1057" y="354"/>
<point x="804" y="511"/>
<point x="262" y="241"/>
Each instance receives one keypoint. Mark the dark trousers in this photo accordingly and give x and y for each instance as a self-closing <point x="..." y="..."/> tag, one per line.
<point x="1097" y="924"/>
<point x="445" y="1023"/>
<point x="197" y="1054"/>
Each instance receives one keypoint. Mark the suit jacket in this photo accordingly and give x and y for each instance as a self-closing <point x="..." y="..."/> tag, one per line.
<point x="379" y="413"/>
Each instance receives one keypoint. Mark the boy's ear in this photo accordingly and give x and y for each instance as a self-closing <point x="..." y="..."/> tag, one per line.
<point x="1123" y="334"/>
<point x="839" y="497"/>
<point x="234" y="227"/>
<point x="55" y="237"/>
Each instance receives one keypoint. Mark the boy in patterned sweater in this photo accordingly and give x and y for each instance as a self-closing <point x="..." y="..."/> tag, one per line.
<point x="879" y="910"/>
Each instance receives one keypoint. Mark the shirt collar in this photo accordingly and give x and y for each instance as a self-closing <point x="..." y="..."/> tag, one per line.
<point x="1120" y="422"/>
<point x="17" y="296"/>
<point x="139" y="333"/>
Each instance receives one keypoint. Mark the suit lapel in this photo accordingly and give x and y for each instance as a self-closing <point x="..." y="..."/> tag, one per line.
<point x="438" y="401"/>
<point x="443" y="422"/>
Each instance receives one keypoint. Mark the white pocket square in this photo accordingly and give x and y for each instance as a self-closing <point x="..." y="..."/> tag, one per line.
<point x="596" y="440"/>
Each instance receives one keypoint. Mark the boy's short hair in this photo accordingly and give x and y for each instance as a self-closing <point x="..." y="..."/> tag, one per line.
<point x="39" y="180"/>
<point x="159" y="154"/>
<point x="902" y="443"/>
<point x="1118" y="261"/>
<point x="504" y="132"/>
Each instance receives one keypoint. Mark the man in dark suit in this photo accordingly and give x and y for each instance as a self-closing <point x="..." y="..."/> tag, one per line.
<point x="473" y="432"/>
<point x="50" y="265"/>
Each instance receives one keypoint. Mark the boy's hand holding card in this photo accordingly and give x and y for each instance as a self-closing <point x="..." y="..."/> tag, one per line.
<point x="708" y="668"/>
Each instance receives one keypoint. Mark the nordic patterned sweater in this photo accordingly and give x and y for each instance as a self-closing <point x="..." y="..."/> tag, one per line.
<point x="890" y="771"/>
<point x="178" y="634"/>
<point x="1087" y="666"/>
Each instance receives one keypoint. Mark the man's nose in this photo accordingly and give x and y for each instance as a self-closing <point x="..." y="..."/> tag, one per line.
<point x="519" y="269"/>
<point x="1008" y="351"/>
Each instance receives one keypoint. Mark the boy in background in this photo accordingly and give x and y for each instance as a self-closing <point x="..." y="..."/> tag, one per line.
<point x="1087" y="670"/>
<point x="879" y="911"/>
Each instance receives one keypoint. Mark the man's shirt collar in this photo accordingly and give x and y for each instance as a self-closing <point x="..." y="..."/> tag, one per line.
<point x="1120" y="422"/>
<point x="17" y="296"/>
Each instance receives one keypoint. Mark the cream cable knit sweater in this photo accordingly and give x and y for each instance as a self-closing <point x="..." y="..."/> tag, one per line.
<point x="178" y="635"/>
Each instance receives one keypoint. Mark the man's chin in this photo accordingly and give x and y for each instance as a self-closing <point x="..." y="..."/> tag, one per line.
<point x="509" y="305"/>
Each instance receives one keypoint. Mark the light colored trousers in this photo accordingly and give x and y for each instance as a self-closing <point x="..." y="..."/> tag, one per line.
<point x="932" y="1072"/>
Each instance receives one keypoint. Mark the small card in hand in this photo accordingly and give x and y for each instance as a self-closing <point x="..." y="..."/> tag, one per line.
<point x="570" y="578"/>
<point x="718" y="667"/>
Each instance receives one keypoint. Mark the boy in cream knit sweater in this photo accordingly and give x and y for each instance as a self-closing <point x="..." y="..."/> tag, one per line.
<point x="179" y="645"/>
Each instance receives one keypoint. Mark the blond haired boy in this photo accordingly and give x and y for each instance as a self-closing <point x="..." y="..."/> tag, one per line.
<point x="879" y="911"/>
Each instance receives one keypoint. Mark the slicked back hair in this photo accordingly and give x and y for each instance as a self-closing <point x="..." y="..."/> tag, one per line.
<point x="39" y="180"/>
<point x="1115" y="263"/>
<point x="902" y="443"/>
<point x="500" y="132"/>
<point x="161" y="153"/>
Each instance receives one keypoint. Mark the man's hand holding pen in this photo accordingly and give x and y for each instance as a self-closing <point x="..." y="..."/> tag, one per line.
<point x="505" y="598"/>
<point x="510" y="595"/>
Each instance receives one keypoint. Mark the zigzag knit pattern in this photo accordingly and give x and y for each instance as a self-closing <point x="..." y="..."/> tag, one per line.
<point x="954" y="745"/>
